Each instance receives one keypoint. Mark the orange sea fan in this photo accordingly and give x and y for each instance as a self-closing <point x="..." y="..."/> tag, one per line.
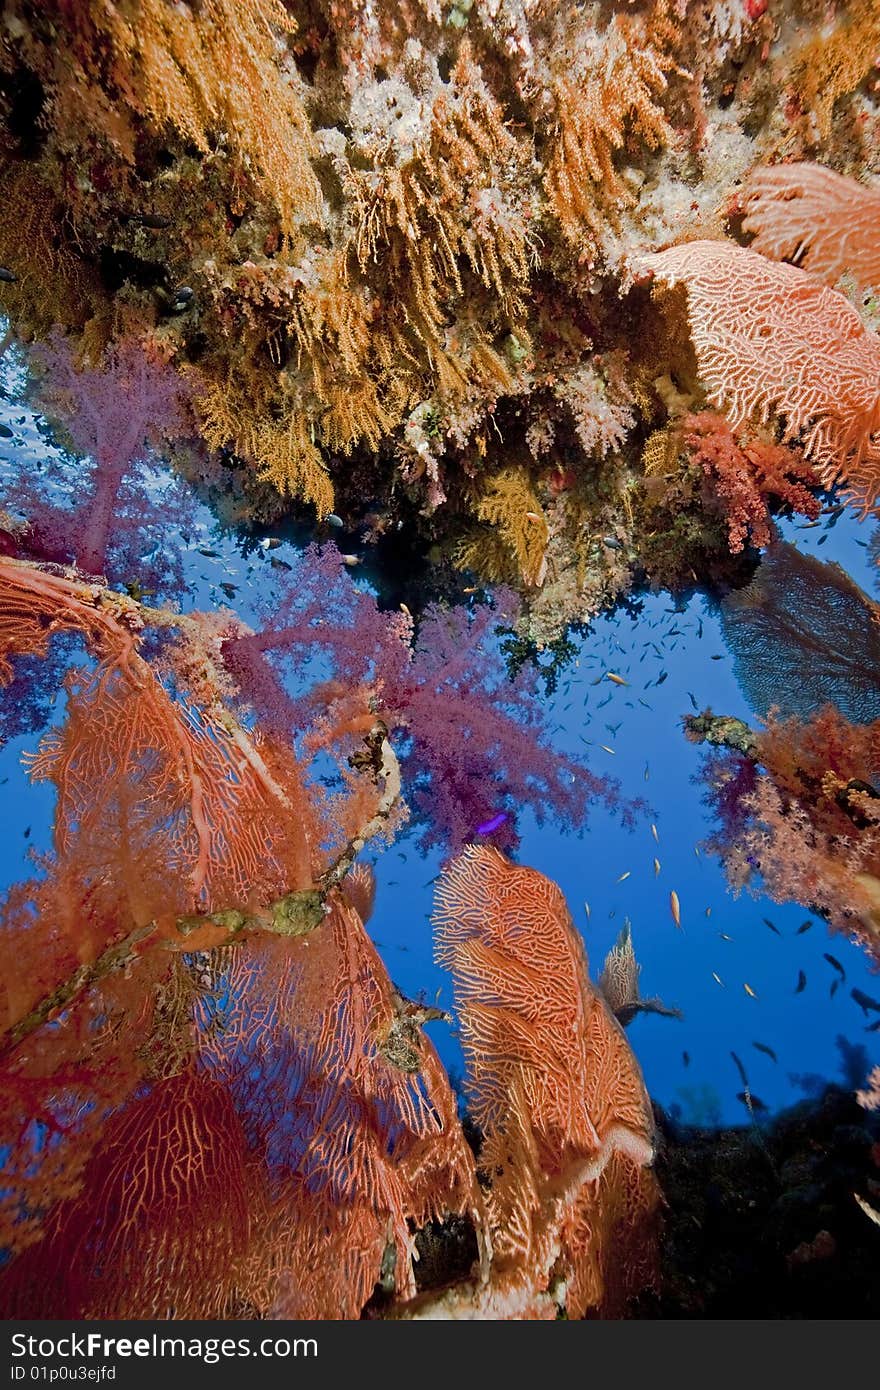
<point x="164" y="1221"/>
<point x="770" y="339"/>
<point x="349" y="1109"/>
<point x="207" y="809"/>
<point x="809" y="214"/>
<point x="556" y="1091"/>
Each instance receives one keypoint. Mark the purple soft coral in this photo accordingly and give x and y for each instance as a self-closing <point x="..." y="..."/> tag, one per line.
<point x="122" y="523"/>
<point x="472" y="741"/>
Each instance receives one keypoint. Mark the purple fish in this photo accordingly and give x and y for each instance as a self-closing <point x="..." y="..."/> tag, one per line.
<point x="494" y="824"/>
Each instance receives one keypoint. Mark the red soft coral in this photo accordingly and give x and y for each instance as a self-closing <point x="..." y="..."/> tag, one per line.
<point x="744" y="472"/>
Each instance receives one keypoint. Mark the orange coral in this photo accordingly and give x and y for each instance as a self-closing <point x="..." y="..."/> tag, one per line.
<point x="166" y="1219"/>
<point x="556" y="1092"/>
<point x="809" y="214"/>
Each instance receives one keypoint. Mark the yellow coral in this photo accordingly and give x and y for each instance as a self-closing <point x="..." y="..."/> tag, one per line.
<point x="283" y="451"/>
<point x="53" y="284"/>
<point x="205" y="70"/>
<point x="510" y="506"/>
<point x="660" y="451"/>
<point x="832" y="66"/>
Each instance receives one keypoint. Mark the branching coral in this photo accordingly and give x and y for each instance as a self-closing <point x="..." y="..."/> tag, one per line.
<point x="208" y="72"/>
<point x="744" y="474"/>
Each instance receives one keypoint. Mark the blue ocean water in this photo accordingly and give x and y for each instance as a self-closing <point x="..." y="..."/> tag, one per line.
<point x="607" y="873"/>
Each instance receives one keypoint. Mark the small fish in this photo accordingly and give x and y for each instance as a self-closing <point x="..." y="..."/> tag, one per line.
<point x="606" y="748"/>
<point x="804" y="926"/>
<point x="494" y="824"/>
<point x="802" y="983"/>
<point x="654" y="833"/>
<point x="27" y="833"/>
<point x="279" y="564"/>
<point x="210" y="554"/>
<point x="646" y="765"/>
<point x="7" y="276"/>
<point x="835" y="986"/>
<point x="768" y="923"/>
<point x="697" y="851"/>
<point x="533" y="516"/>
<point x="708" y="912"/>
<point x="762" y="1047"/>
<point x="749" y="991"/>
<point x="471" y="589"/>
<point x="662" y="677"/>
<point x="717" y="656"/>
<point x="6" y="432"/>
<point x="230" y="590"/>
<point x="873" y="1027"/>
<point x="351" y="560"/>
<point x="587" y="910"/>
<point x="718" y="980"/>
<point x="624" y="876"/>
<point x="724" y="936"/>
<point x="692" y="700"/>
<point x="333" y="520"/>
<point x="153" y="221"/>
<point x="407" y="613"/>
<point x="612" y="542"/>
<point x="741" y="1069"/>
<point x="864" y="1001"/>
<point x="270" y="542"/>
<point x="686" y="1058"/>
<point x="656" y="868"/>
<point x="832" y="960"/>
<point x="675" y="908"/>
<point x="613" y="676"/>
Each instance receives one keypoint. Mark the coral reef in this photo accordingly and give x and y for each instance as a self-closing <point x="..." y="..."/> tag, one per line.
<point x="484" y="369"/>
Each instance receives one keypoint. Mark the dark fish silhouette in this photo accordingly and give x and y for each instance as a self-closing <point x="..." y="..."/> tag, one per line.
<point x="864" y="1001"/>
<point x="762" y="1047"/>
<point x="802" y="982"/>
<point x="741" y="1069"/>
<point x="686" y="1058"/>
<point x="768" y="923"/>
<point x="832" y="960"/>
<point x="835" y="986"/>
<point x="804" y="926"/>
<point x="874" y="1027"/>
<point x="662" y="677"/>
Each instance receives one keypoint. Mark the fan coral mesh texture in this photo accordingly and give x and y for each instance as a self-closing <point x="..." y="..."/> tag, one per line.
<point x="555" y="1090"/>
<point x="770" y="339"/>
<point x="803" y="635"/>
<point x="809" y="214"/>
